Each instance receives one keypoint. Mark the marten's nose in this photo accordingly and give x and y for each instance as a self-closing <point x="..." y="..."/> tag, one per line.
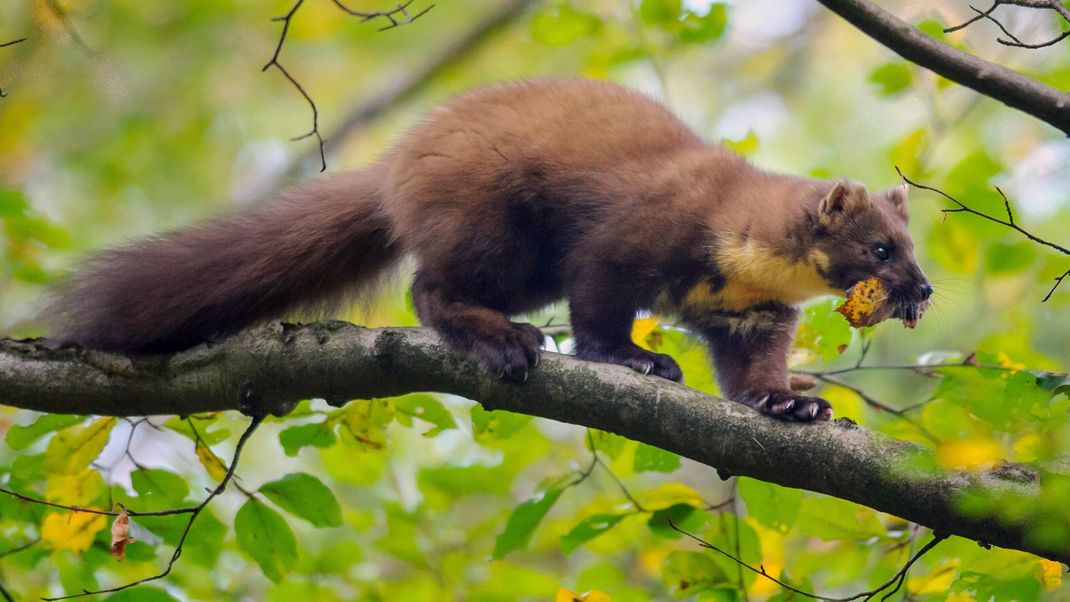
<point x="926" y="291"/>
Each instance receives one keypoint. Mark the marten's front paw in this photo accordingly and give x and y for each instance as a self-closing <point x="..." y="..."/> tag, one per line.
<point x="788" y="405"/>
<point x="512" y="354"/>
<point x="637" y="359"/>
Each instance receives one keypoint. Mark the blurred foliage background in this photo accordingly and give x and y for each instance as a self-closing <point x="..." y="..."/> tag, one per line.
<point x="126" y="117"/>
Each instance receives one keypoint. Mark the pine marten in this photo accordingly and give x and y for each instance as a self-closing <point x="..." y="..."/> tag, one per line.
<point x="512" y="197"/>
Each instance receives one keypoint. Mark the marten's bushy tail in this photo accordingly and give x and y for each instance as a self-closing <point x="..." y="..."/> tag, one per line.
<point x="169" y="292"/>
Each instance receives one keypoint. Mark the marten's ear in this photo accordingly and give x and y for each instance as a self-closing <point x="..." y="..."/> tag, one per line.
<point x="845" y="198"/>
<point x="897" y="198"/>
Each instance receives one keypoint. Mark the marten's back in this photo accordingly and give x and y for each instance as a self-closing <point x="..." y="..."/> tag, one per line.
<point x="573" y="124"/>
<point x="542" y="154"/>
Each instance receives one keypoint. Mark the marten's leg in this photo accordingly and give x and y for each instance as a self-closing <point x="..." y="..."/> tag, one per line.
<point x="750" y="351"/>
<point x="602" y="306"/>
<point x="500" y="346"/>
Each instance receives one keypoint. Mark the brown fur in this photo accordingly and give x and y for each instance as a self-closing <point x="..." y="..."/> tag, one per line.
<point x="509" y="198"/>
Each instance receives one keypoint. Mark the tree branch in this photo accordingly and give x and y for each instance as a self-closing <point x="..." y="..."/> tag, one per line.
<point x="269" y="367"/>
<point x="995" y="81"/>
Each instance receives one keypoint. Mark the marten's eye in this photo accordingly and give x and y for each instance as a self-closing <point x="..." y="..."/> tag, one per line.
<point x="882" y="253"/>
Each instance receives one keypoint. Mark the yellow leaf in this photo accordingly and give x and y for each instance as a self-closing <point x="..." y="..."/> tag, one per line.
<point x="642" y="329"/>
<point x="863" y="301"/>
<point x="772" y="547"/>
<point x="567" y="595"/>
<point x="652" y="557"/>
<point x="1051" y="574"/>
<point x="670" y="494"/>
<point x="211" y="462"/>
<point x="72" y="531"/>
<point x="848" y="404"/>
<point x="71" y="450"/>
<point x="76" y="489"/>
<point x="1006" y="361"/>
<point x="970" y="454"/>
<point x="936" y="582"/>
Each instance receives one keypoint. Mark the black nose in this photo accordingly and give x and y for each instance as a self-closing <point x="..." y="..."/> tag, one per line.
<point x="926" y="291"/>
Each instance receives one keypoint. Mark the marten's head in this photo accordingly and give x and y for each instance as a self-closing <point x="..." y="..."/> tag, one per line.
<point x="865" y="236"/>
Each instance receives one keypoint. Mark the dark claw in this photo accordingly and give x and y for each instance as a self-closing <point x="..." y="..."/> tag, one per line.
<point x="634" y="357"/>
<point x="513" y="354"/>
<point x="787" y="405"/>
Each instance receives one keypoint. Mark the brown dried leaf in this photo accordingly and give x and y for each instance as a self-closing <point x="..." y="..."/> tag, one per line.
<point x="120" y="535"/>
<point x="801" y="382"/>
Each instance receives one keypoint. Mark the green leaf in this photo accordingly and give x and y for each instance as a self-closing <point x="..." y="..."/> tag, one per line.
<point x="823" y="331"/>
<point x="989" y="587"/>
<point x="522" y="523"/>
<point x="660" y="12"/>
<point x="203" y="423"/>
<point x="305" y="496"/>
<point x="932" y="27"/>
<point x="681" y="515"/>
<point x="706" y="28"/>
<point x="746" y="146"/>
<point x="1023" y="397"/>
<point x="771" y="505"/>
<point x="316" y="434"/>
<point x="497" y="424"/>
<point x="72" y="450"/>
<point x="668" y="495"/>
<point x="205" y="540"/>
<point x="1056" y="382"/>
<point x="688" y="573"/>
<point x="588" y="529"/>
<point x="158" y="489"/>
<point x="366" y="422"/>
<point x="650" y="458"/>
<point x="426" y="408"/>
<point x="562" y="24"/>
<point x="143" y="593"/>
<point x="892" y="78"/>
<point x="264" y="535"/>
<point x="832" y="519"/>
<point x="979" y="391"/>
<point x="20" y="437"/>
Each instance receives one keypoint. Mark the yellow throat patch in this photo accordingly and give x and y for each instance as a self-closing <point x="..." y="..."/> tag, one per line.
<point x="755" y="274"/>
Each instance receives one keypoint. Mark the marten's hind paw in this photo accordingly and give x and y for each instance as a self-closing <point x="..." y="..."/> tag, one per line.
<point x="512" y="355"/>
<point x="637" y="359"/>
<point x="788" y="405"/>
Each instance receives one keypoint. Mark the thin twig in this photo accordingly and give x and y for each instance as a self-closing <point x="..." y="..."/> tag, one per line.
<point x="1009" y="222"/>
<point x="20" y="547"/>
<point x="1011" y="39"/>
<point x="189" y="524"/>
<point x="896" y="579"/>
<point x="414" y="79"/>
<point x="5" y="45"/>
<point x="1058" y="281"/>
<point x="390" y="15"/>
<point x="878" y="405"/>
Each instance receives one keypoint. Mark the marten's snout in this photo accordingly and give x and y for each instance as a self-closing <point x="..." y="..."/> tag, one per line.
<point x="925" y="290"/>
